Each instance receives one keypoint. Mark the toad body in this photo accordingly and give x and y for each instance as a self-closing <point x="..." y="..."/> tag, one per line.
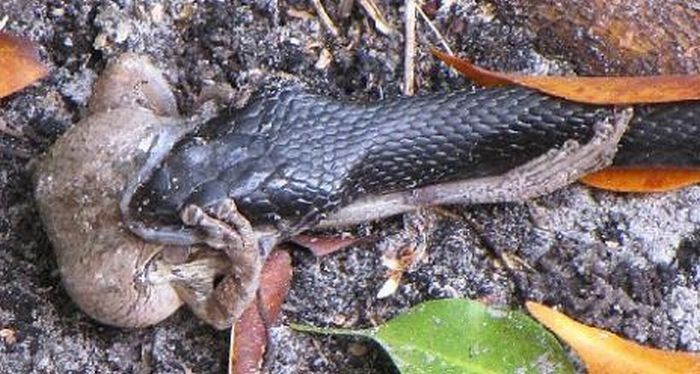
<point x="114" y="276"/>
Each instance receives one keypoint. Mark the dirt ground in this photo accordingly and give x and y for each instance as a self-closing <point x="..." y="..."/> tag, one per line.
<point x="627" y="263"/>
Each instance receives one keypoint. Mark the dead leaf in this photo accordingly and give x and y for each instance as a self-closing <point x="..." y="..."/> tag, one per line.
<point x="249" y="334"/>
<point x="248" y="342"/>
<point x="274" y="284"/>
<point x="642" y="180"/>
<point x="590" y="90"/>
<point x="19" y="64"/>
<point x="604" y="352"/>
<point x="630" y="36"/>
<point x="9" y="336"/>
<point x="324" y="245"/>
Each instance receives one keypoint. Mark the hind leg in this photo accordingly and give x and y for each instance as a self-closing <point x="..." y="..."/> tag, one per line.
<point x="225" y="229"/>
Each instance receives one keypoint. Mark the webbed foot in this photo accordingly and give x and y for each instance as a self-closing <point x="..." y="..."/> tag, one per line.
<point x="225" y="229"/>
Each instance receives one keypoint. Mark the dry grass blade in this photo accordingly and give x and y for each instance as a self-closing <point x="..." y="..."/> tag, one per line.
<point x="410" y="48"/>
<point x="435" y="31"/>
<point x="376" y="16"/>
<point x="325" y="18"/>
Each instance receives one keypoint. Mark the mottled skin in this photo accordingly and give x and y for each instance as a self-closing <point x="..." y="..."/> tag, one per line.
<point x="114" y="276"/>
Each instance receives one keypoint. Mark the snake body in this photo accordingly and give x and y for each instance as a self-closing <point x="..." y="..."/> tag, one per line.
<point x="291" y="158"/>
<point x="662" y="135"/>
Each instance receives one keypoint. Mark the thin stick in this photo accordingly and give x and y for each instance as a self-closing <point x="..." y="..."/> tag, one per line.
<point x="325" y="19"/>
<point x="409" y="63"/>
<point x="375" y="14"/>
<point x="14" y="152"/>
<point x="435" y="31"/>
<point x="231" y="350"/>
<point x="345" y="8"/>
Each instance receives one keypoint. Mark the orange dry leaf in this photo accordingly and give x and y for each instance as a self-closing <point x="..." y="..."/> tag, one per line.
<point x="642" y="180"/>
<point x="604" y="352"/>
<point x="248" y="342"/>
<point x="249" y="334"/>
<point x="275" y="280"/>
<point x="590" y="90"/>
<point x="19" y="64"/>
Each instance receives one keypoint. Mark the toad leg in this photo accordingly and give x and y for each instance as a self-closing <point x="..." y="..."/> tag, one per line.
<point x="224" y="228"/>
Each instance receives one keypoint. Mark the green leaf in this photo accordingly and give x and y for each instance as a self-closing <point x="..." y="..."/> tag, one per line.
<point x="463" y="336"/>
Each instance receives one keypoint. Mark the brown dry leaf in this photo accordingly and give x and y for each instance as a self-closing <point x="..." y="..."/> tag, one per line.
<point x="249" y="334"/>
<point x="274" y="284"/>
<point x="604" y="352"/>
<point x="324" y="245"/>
<point x="19" y="64"/>
<point x="590" y="90"/>
<point x="642" y="180"/>
<point x="248" y="341"/>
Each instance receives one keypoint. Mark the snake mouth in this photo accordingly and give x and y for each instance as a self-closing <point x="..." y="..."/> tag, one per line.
<point x="172" y="234"/>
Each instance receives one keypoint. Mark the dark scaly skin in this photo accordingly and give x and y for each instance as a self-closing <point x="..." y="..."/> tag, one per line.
<point x="292" y="157"/>
<point x="663" y="135"/>
<point x="291" y="161"/>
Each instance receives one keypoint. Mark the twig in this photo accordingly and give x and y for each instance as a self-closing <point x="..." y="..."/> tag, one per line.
<point x="325" y="19"/>
<point x="231" y="350"/>
<point x="15" y="152"/>
<point x="409" y="63"/>
<point x="375" y="14"/>
<point x="435" y="31"/>
<point x="345" y="8"/>
<point x="512" y="263"/>
<point x="4" y="129"/>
